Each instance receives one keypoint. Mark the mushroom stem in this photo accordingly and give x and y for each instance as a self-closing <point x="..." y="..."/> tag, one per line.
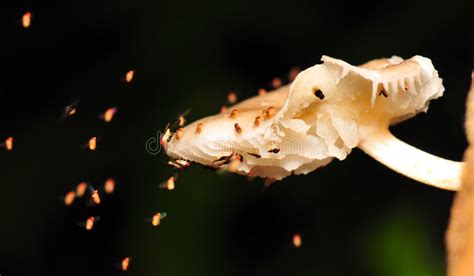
<point x="412" y="162"/>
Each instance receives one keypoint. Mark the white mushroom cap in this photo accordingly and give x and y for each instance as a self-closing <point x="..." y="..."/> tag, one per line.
<point x="328" y="110"/>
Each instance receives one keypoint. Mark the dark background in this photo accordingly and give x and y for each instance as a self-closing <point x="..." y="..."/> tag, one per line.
<point x="355" y="217"/>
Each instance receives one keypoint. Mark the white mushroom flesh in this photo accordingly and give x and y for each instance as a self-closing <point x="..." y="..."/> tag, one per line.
<point x="326" y="112"/>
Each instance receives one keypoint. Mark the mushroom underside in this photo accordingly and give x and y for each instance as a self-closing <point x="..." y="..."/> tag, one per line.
<point x="326" y="112"/>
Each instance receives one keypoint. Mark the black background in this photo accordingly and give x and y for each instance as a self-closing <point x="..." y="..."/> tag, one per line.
<point x="356" y="217"/>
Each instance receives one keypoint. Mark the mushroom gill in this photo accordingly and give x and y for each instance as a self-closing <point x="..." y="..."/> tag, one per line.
<point x="328" y="110"/>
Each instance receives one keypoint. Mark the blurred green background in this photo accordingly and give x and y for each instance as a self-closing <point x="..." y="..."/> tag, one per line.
<point x="355" y="217"/>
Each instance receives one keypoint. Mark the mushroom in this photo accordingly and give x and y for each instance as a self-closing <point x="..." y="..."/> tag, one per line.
<point x="327" y="111"/>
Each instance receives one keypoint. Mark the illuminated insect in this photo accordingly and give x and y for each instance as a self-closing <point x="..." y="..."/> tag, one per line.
<point x="234" y="114"/>
<point x="268" y="112"/>
<point x="109" y="114"/>
<point x="95" y="197"/>
<point x="268" y="181"/>
<point x="109" y="186"/>
<point x="227" y="159"/>
<point x="183" y="163"/>
<point x="382" y="90"/>
<point x="297" y="240"/>
<point x="156" y="219"/>
<point x="274" y="150"/>
<point x="224" y="109"/>
<point x="251" y="176"/>
<point x="81" y="189"/>
<point x="179" y="163"/>
<point x="8" y="144"/>
<point x="232" y="97"/>
<point x="238" y="129"/>
<point x="125" y="263"/>
<point x="179" y="133"/>
<point x="318" y="93"/>
<point x="234" y="165"/>
<point x="92" y="145"/>
<point x="165" y="136"/>
<point x="26" y="20"/>
<point x="293" y="73"/>
<point x="182" y="118"/>
<point x="69" y="198"/>
<point x="129" y="76"/>
<point x="70" y="110"/>
<point x="257" y="121"/>
<point x="199" y="128"/>
<point x="256" y="155"/>
<point x="169" y="183"/>
<point x="276" y="83"/>
<point x="90" y="223"/>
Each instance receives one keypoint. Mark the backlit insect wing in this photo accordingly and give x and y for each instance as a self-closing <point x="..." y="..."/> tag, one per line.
<point x="156" y="219"/>
<point x="70" y="110"/>
<point x="169" y="184"/>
